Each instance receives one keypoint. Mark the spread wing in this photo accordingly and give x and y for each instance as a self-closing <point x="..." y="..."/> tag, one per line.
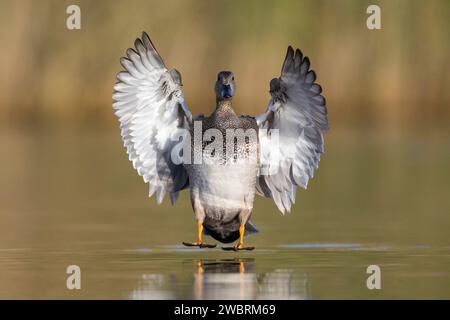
<point x="297" y="110"/>
<point x="150" y="105"/>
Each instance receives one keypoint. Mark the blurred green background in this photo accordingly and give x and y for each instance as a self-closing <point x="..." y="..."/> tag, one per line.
<point x="66" y="182"/>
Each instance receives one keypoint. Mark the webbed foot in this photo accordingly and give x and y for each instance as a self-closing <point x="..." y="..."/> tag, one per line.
<point x="238" y="248"/>
<point x="199" y="244"/>
<point x="240" y="244"/>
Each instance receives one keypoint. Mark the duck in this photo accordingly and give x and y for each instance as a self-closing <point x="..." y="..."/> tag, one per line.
<point x="224" y="159"/>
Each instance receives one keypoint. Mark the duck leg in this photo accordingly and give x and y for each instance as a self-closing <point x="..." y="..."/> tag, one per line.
<point x="199" y="243"/>
<point x="240" y="244"/>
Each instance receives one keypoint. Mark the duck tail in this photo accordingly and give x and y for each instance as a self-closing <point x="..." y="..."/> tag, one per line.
<point x="250" y="228"/>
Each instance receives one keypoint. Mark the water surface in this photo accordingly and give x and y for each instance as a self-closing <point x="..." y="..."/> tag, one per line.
<point x="73" y="198"/>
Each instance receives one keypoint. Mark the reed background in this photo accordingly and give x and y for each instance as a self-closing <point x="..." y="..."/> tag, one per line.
<point x="394" y="79"/>
<point x="69" y="195"/>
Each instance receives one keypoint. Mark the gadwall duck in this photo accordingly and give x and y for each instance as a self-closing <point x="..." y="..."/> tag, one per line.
<point x="224" y="158"/>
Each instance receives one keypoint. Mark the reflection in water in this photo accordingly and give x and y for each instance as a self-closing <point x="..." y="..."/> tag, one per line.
<point x="227" y="279"/>
<point x="152" y="286"/>
<point x="398" y="220"/>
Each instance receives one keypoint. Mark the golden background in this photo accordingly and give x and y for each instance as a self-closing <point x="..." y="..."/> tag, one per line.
<point x="69" y="195"/>
<point x="394" y="78"/>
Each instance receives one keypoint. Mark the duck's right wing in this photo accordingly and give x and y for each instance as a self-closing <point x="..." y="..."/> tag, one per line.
<point x="149" y="103"/>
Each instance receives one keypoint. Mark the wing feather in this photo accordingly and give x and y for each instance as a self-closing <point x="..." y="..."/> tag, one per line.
<point x="298" y="112"/>
<point x="147" y="100"/>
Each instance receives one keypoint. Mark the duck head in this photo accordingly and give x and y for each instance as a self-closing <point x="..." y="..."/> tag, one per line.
<point x="225" y="85"/>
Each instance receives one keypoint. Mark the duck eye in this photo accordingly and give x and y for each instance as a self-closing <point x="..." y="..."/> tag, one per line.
<point x="232" y="78"/>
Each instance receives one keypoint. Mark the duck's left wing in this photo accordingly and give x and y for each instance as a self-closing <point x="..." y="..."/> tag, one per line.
<point x="149" y="103"/>
<point x="297" y="112"/>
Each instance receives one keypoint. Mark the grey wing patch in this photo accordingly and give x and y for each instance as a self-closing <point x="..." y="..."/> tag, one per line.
<point x="298" y="86"/>
<point x="152" y="53"/>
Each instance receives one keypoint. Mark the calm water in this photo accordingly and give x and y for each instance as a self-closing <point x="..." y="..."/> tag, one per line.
<point x="73" y="198"/>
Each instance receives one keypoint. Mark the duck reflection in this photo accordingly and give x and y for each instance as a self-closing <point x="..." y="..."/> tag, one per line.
<point x="225" y="279"/>
<point x="153" y="287"/>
